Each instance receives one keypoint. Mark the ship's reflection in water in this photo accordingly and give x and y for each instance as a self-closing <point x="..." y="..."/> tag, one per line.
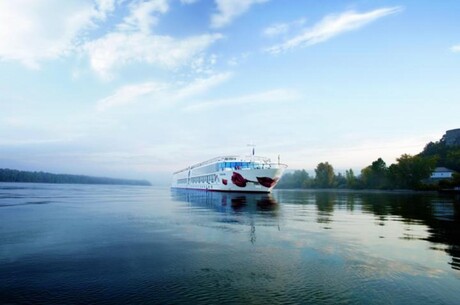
<point x="233" y="207"/>
<point x="227" y="201"/>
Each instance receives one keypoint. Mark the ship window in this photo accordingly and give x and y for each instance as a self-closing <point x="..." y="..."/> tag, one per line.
<point x="182" y="181"/>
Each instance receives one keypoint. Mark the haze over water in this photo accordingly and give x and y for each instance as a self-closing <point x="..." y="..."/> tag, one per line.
<point x="124" y="244"/>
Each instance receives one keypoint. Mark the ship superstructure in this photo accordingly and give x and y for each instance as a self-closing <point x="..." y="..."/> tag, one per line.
<point x="230" y="173"/>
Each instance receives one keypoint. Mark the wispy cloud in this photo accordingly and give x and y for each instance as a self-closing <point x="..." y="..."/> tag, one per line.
<point x="228" y="10"/>
<point x="333" y="25"/>
<point x="36" y="31"/>
<point x="271" y="96"/>
<point x="282" y="28"/>
<point x="142" y="16"/>
<point x="201" y="85"/>
<point x="455" y="48"/>
<point x="161" y="92"/>
<point x="128" y="94"/>
<point x="118" y="49"/>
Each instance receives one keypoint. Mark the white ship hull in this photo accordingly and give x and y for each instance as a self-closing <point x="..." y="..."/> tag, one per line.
<point x="230" y="174"/>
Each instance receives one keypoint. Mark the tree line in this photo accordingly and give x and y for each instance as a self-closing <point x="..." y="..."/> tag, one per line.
<point x="12" y="175"/>
<point x="409" y="172"/>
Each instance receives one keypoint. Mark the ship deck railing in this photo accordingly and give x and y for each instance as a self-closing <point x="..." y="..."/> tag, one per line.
<point x="252" y="159"/>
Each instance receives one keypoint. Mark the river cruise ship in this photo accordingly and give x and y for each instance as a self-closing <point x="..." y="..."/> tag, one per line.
<point x="230" y="174"/>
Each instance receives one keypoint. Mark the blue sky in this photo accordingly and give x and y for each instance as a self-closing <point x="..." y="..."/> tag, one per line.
<point x="138" y="89"/>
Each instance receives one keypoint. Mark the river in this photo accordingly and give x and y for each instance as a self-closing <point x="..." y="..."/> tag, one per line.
<point x="70" y="244"/>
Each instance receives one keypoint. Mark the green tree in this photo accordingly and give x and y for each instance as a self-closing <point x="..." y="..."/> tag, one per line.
<point x="411" y="170"/>
<point x="340" y="181"/>
<point x="453" y="159"/>
<point x="350" y="177"/>
<point x="301" y="178"/>
<point x="12" y="175"/>
<point x="456" y="180"/>
<point x="447" y="156"/>
<point x="324" y="175"/>
<point x="438" y="148"/>
<point x="375" y="175"/>
<point x="295" y="180"/>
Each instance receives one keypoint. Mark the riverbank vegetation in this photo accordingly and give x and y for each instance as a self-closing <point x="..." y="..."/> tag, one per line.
<point x="12" y="175"/>
<point x="409" y="172"/>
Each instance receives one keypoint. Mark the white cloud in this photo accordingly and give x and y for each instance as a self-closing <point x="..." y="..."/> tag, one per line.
<point x="117" y="49"/>
<point x="333" y="25"/>
<point x="455" y="48"/>
<point x="134" y="42"/>
<point x="271" y="96"/>
<point x="203" y="64"/>
<point x="202" y="85"/>
<point x="128" y="94"/>
<point x="33" y="31"/>
<point x="141" y="17"/>
<point x="276" y="29"/>
<point x="105" y="6"/>
<point x="161" y="92"/>
<point x="229" y="10"/>
<point x="282" y="28"/>
<point x="238" y="59"/>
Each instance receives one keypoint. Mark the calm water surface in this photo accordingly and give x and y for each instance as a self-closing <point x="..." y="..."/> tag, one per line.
<point x="125" y="244"/>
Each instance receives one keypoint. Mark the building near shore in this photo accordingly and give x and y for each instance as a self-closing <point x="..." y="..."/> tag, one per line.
<point x="442" y="173"/>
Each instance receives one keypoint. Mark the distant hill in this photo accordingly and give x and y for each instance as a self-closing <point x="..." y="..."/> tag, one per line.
<point x="12" y="175"/>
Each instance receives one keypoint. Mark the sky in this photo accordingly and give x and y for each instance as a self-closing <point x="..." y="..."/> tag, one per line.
<point x="139" y="89"/>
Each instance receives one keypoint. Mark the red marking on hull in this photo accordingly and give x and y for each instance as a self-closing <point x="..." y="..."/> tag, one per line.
<point x="239" y="180"/>
<point x="267" y="181"/>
